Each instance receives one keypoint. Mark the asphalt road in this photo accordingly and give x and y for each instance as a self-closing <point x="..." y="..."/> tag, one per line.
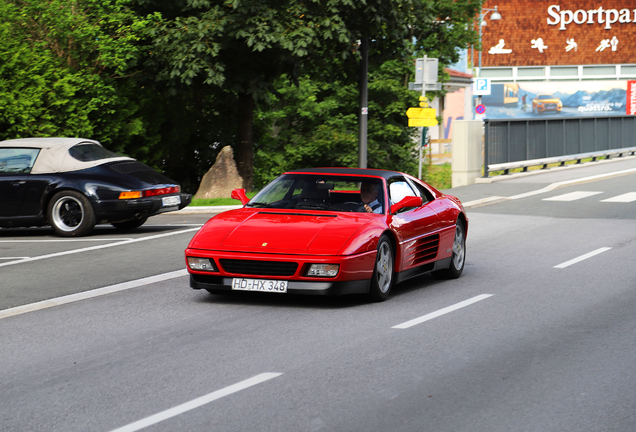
<point x="537" y="334"/>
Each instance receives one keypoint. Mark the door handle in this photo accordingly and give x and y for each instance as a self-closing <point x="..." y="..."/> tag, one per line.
<point x="18" y="183"/>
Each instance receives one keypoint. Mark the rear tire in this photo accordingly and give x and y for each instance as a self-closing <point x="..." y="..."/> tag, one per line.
<point x="71" y="214"/>
<point x="458" y="259"/>
<point x="382" y="279"/>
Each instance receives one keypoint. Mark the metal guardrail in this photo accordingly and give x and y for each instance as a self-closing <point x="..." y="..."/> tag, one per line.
<point x="523" y="143"/>
<point x="561" y="160"/>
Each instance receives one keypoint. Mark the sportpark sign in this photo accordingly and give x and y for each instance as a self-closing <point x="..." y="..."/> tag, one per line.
<point x="605" y="17"/>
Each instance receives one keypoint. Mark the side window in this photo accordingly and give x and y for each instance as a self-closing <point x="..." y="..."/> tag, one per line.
<point x="426" y="195"/>
<point x="399" y="189"/>
<point x="17" y="160"/>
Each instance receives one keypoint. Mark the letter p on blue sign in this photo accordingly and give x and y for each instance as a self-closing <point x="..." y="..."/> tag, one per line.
<point x="481" y="86"/>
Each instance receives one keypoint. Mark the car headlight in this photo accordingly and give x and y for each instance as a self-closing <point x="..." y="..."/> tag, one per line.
<point x="202" y="264"/>
<point x="323" y="270"/>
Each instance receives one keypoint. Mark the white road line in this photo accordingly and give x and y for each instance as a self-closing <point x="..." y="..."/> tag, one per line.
<point x="32" y="307"/>
<point x="68" y="240"/>
<point x="92" y="248"/>
<point x="195" y="403"/>
<point x="582" y="257"/>
<point x="572" y="196"/>
<point x="624" y="198"/>
<point x="557" y="185"/>
<point x="441" y="312"/>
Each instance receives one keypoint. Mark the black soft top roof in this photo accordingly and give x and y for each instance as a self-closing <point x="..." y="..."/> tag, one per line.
<point x="350" y="171"/>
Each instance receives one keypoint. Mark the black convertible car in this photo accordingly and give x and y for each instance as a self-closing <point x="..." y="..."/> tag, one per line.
<point x="72" y="184"/>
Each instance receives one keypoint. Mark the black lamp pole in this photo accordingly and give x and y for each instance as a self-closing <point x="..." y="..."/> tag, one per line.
<point x="364" y="102"/>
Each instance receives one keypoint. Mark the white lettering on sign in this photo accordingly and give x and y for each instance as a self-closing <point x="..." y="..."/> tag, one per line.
<point x="563" y="18"/>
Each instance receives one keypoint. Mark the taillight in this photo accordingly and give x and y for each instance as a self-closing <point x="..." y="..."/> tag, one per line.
<point x="150" y="192"/>
<point x="161" y="191"/>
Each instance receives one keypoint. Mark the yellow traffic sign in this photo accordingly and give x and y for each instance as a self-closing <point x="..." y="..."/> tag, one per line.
<point x="422" y="122"/>
<point x="420" y="113"/>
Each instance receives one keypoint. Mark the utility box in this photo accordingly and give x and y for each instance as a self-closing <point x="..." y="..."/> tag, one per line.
<point x="467" y="152"/>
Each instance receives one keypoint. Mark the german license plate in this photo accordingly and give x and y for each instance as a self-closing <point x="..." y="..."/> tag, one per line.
<point x="170" y="201"/>
<point x="265" y="285"/>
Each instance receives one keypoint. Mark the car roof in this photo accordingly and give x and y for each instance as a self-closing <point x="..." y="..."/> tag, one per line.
<point x="54" y="154"/>
<point x="348" y="171"/>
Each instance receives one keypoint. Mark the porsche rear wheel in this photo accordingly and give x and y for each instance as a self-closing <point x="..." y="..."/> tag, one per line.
<point x="71" y="214"/>
<point x="382" y="279"/>
<point x="458" y="259"/>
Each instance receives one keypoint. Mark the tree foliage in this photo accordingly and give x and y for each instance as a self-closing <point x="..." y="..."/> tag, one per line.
<point x="316" y="124"/>
<point x="171" y="82"/>
<point x="60" y="66"/>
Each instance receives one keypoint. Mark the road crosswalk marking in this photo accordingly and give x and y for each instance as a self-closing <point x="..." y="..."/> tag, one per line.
<point x="624" y="198"/>
<point x="572" y="196"/>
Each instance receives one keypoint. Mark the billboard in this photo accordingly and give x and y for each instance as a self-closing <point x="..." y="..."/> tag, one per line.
<point x="570" y="32"/>
<point x="558" y="99"/>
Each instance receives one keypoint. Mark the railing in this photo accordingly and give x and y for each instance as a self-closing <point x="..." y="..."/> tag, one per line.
<point x="511" y="143"/>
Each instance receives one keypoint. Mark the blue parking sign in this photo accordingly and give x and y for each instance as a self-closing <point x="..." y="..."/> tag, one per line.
<point x="481" y="86"/>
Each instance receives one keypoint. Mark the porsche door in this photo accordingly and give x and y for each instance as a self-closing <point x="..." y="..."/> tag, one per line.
<point x="15" y="165"/>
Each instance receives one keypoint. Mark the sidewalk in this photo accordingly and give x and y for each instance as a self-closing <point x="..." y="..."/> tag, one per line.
<point x="488" y="191"/>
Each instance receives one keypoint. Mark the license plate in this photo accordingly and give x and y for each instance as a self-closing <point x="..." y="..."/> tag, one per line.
<point x="171" y="201"/>
<point x="265" y="285"/>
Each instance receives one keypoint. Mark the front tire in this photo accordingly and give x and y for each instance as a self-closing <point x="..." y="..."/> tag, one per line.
<point x="382" y="279"/>
<point x="71" y="214"/>
<point x="458" y="259"/>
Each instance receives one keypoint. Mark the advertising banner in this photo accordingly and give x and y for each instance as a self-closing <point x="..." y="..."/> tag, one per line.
<point x="631" y="98"/>
<point x="558" y="99"/>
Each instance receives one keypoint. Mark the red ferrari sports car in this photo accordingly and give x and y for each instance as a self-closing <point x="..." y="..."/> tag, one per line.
<point x="331" y="231"/>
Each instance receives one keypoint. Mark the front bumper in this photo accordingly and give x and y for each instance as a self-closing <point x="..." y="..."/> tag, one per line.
<point x="354" y="275"/>
<point x="224" y="283"/>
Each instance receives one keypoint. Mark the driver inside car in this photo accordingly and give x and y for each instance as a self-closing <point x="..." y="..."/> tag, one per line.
<point x="369" y="194"/>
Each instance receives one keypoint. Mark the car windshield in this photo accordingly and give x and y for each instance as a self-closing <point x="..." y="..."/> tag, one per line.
<point x="88" y="152"/>
<point x="546" y="97"/>
<point x="323" y="192"/>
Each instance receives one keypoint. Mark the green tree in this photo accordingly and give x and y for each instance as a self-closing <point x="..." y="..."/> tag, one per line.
<point x="61" y="63"/>
<point x="245" y="46"/>
<point x="315" y="124"/>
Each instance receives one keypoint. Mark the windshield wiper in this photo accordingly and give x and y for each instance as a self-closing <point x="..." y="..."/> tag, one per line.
<point x="253" y="204"/>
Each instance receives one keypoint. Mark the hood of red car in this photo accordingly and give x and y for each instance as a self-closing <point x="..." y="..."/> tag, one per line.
<point x="255" y="230"/>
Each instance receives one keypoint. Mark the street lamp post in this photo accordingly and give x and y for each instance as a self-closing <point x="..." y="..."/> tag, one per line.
<point x="482" y="22"/>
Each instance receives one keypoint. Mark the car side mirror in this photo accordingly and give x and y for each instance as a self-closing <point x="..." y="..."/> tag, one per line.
<point x="409" y="201"/>
<point x="239" y="194"/>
